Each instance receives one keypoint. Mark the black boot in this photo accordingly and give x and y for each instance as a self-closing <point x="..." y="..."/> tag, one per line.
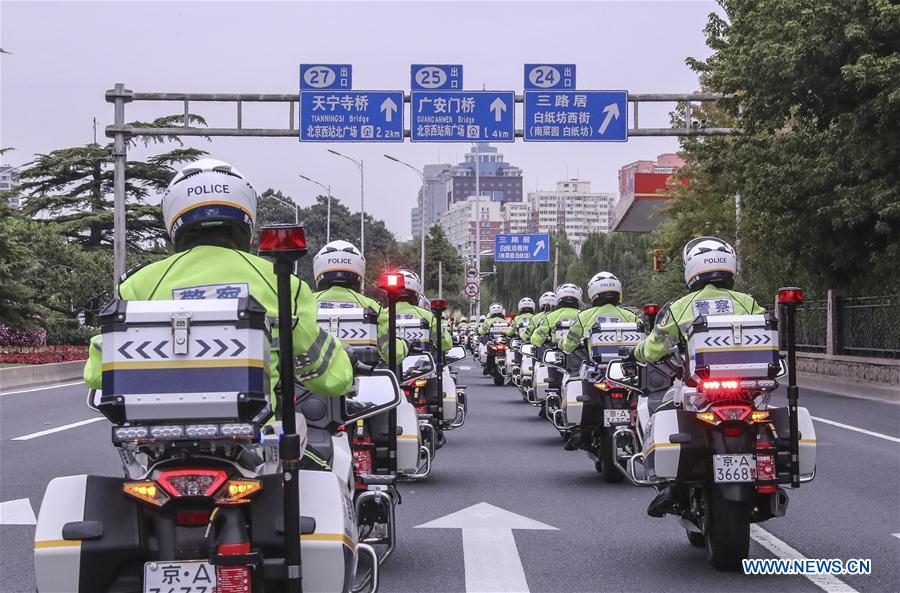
<point x="575" y="442"/>
<point x="665" y="502"/>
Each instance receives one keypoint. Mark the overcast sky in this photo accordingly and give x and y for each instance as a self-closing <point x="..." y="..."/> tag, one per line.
<point x="65" y="55"/>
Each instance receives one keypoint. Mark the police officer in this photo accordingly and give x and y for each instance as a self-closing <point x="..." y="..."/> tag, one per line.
<point x="526" y="312"/>
<point x="709" y="268"/>
<point x="408" y="307"/>
<point x="547" y="303"/>
<point x="339" y="269"/>
<point x="209" y="210"/>
<point x="496" y="314"/>
<point x="568" y="305"/>
<point x="605" y="294"/>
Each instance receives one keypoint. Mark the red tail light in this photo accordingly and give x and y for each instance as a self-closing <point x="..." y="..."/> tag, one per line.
<point x="734" y="431"/>
<point x="790" y="295"/>
<point x="276" y="240"/>
<point x="391" y="282"/>
<point x="651" y="309"/>
<point x="732" y="413"/>
<point x="191" y="518"/>
<point x="438" y="305"/>
<point x="192" y="482"/>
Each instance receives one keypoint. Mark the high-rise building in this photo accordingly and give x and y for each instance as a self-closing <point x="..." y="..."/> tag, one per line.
<point x="516" y="217"/>
<point x="643" y="193"/>
<point x="459" y="222"/>
<point x="572" y="209"/>
<point x="9" y="177"/>
<point x="447" y="184"/>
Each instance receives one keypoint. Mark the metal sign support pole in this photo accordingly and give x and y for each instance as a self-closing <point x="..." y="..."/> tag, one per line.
<point x="119" y="164"/>
<point x="478" y="226"/>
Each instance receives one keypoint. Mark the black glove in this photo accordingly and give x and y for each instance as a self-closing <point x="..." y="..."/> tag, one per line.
<point x="627" y="353"/>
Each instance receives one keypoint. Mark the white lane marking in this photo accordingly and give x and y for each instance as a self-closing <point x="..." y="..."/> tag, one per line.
<point x="897" y="535"/>
<point x="856" y="429"/>
<point x="490" y="555"/>
<point x="17" y="512"/>
<point x="465" y="368"/>
<point x="826" y="582"/>
<point x="54" y="386"/>
<point x="35" y="435"/>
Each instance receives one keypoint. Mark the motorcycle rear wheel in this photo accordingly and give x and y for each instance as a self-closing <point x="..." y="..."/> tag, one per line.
<point x="726" y="531"/>
<point x="611" y="473"/>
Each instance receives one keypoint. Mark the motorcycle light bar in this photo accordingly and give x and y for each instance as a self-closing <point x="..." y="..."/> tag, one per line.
<point x="177" y="432"/>
<point x="282" y="240"/>
<point x="391" y="282"/>
<point x="791" y="295"/>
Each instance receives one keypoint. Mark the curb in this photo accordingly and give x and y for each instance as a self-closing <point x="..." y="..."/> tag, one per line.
<point x="849" y="388"/>
<point x="23" y="377"/>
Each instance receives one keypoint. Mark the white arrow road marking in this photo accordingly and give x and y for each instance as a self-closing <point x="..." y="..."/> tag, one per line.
<point x="855" y="429"/>
<point x="17" y="512"/>
<point x="490" y="554"/>
<point x="611" y="111"/>
<point x="540" y="245"/>
<point x="498" y="106"/>
<point x="32" y="389"/>
<point x="35" y="435"/>
<point x="826" y="582"/>
<point x="388" y="107"/>
<point x="897" y="535"/>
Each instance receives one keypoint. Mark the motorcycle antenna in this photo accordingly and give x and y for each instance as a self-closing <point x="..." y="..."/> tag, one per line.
<point x="286" y="244"/>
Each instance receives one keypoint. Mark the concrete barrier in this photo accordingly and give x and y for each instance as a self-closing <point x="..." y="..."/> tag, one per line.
<point x="35" y="375"/>
<point x="879" y="371"/>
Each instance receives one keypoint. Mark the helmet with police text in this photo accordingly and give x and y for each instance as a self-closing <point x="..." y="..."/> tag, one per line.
<point x="496" y="310"/>
<point x="209" y="195"/>
<point x="526" y="304"/>
<point x="569" y="295"/>
<point x="708" y="260"/>
<point x="339" y="262"/>
<point x="547" y="300"/>
<point x="604" y="288"/>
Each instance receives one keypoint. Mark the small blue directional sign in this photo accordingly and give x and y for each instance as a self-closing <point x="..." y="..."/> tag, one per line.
<point x="549" y="76"/>
<point x="462" y="116"/>
<point x="573" y="116"/>
<point x="351" y="116"/>
<point x="326" y="76"/>
<point x="521" y="248"/>
<point x="436" y="77"/>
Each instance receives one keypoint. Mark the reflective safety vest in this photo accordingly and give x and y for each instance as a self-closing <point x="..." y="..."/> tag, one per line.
<point x="581" y="329"/>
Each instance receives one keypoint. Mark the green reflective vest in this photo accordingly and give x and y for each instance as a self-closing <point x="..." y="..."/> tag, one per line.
<point x="544" y="329"/>
<point x="521" y="320"/>
<point x="404" y="308"/>
<point x="581" y="329"/>
<point x="342" y="294"/>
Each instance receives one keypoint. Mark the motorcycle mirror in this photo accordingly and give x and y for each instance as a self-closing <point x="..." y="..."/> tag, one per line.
<point x="93" y="399"/>
<point x="554" y="357"/>
<point x="528" y="349"/>
<point x="417" y="365"/>
<point x="375" y="393"/>
<point x="623" y="374"/>
<point x="455" y="354"/>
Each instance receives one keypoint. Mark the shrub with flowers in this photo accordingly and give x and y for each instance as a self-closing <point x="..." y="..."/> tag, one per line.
<point x="19" y="346"/>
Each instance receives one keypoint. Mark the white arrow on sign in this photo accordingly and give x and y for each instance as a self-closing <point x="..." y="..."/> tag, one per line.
<point x="498" y="106"/>
<point x="17" y="512"/>
<point x="490" y="554"/>
<point x="540" y="245"/>
<point x="388" y="107"/>
<point x="612" y="112"/>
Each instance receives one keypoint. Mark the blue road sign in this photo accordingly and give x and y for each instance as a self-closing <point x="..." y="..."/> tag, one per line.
<point x="326" y="76"/>
<point x="521" y="248"/>
<point x="462" y="116"/>
<point x="351" y="116"/>
<point x="549" y="76"/>
<point x="572" y="116"/>
<point x="436" y="77"/>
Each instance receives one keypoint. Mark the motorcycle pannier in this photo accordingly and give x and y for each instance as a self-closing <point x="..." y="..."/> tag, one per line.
<point x="607" y="338"/>
<point x="186" y="359"/>
<point x="412" y="328"/>
<point x="356" y="327"/>
<point x="733" y="346"/>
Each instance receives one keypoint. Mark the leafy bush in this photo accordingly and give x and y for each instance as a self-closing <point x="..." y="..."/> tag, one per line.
<point x="42" y="354"/>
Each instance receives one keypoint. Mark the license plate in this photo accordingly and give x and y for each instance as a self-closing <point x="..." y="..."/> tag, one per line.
<point x="734" y="468"/>
<point x="613" y="417"/>
<point x="196" y="576"/>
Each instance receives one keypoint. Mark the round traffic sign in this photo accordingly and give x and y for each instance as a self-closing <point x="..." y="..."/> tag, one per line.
<point x="471" y="290"/>
<point x="471" y="273"/>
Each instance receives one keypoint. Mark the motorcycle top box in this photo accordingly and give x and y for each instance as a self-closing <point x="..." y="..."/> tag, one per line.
<point x="185" y="360"/>
<point x="412" y="328"/>
<point x="356" y="327"/>
<point x="744" y="346"/>
<point x="607" y="337"/>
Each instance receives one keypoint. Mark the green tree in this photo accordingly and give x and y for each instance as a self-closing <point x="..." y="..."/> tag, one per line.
<point x="17" y="308"/>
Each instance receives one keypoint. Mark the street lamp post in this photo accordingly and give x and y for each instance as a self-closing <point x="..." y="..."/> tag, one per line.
<point x="328" y="215"/>
<point x="362" y="200"/>
<point x="421" y="220"/>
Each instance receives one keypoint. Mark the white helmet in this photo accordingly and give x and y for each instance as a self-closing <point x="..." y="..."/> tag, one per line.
<point x="569" y="292"/>
<point x="602" y="283"/>
<point x="209" y="193"/>
<point x="707" y="259"/>
<point x="496" y="309"/>
<point x="526" y="303"/>
<point x="424" y="302"/>
<point x="481" y="318"/>
<point x="339" y="261"/>
<point x="411" y="281"/>
<point x="548" y="299"/>
<point x="462" y="319"/>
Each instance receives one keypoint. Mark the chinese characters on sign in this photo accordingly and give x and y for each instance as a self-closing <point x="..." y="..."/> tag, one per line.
<point x="521" y="248"/>
<point x="436" y="77"/>
<point x="465" y="116"/>
<point x="351" y="116"/>
<point x="598" y="116"/>
<point x="326" y="76"/>
<point x="549" y="76"/>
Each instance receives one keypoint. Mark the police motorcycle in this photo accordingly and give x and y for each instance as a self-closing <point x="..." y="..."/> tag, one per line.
<point x="707" y="434"/>
<point x="494" y="345"/>
<point x="592" y="408"/>
<point x="548" y="376"/>
<point x="208" y="501"/>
